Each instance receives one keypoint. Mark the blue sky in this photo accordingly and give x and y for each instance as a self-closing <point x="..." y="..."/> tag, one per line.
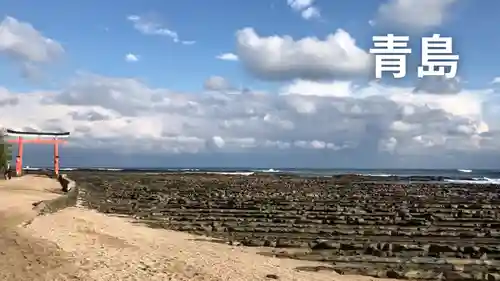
<point x="96" y="34"/>
<point x="84" y="73"/>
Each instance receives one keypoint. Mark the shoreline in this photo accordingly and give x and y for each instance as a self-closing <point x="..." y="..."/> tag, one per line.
<point x="454" y="176"/>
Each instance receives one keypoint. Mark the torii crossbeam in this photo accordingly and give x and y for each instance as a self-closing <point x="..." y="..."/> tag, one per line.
<point x="36" y="138"/>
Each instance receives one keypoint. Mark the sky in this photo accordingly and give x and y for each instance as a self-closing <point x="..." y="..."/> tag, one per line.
<point x="267" y="83"/>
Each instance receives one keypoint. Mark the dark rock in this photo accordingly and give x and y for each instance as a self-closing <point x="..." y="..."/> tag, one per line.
<point x="325" y="245"/>
<point x="458" y="276"/>
<point x="435" y="248"/>
<point x="470" y="250"/>
<point x="493" y="277"/>
<point x="391" y="273"/>
<point x="347" y="247"/>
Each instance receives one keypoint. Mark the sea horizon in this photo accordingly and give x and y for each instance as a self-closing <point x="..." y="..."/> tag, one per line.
<point x="486" y="176"/>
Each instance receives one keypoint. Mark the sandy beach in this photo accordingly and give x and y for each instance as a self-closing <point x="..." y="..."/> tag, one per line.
<point x="80" y="244"/>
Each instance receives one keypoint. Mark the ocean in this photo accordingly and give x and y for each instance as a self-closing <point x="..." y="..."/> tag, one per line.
<point x="477" y="176"/>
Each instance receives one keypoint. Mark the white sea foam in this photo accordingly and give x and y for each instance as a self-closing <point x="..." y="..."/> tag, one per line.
<point x="483" y="180"/>
<point x="109" y="169"/>
<point x="268" y="171"/>
<point x="31" y="168"/>
<point x="377" y="175"/>
<point x="231" y="173"/>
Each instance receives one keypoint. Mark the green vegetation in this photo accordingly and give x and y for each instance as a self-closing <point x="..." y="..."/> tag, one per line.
<point x="5" y="153"/>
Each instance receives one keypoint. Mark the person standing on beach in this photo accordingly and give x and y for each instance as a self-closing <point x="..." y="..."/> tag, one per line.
<point x="8" y="171"/>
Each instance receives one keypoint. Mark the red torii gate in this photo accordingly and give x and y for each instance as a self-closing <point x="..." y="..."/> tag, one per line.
<point x="37" y="138"/>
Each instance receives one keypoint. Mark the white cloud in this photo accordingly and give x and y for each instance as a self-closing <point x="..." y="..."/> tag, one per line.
<point x="306" y="8"/>
<point x="439" y="85"/>
<point x="217" y="83"/>
<point x="283" y="58"/>
<point x="310" y="13"/>
<point x="131" y="57"/>
<point x="228" y="57"/>
<point x="323" y="89"/>
<point x="413" y="15"/>
<point x="119" y="113"/>
<point x="300" y="5"/>
<point x="21" y="42"/>
<point x="150" y="27"/>
<point x="308" y="115"/>
<point x="495" y="80"/>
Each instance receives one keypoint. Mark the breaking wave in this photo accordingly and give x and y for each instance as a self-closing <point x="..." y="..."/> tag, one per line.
<point x="31" y="168"/>
<point x="110" y="169"/>
<point x="483" y="180"/>
<point x="231" y="173"/>
<point x="378" y="175"/>
<point x="268" y="171"/>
